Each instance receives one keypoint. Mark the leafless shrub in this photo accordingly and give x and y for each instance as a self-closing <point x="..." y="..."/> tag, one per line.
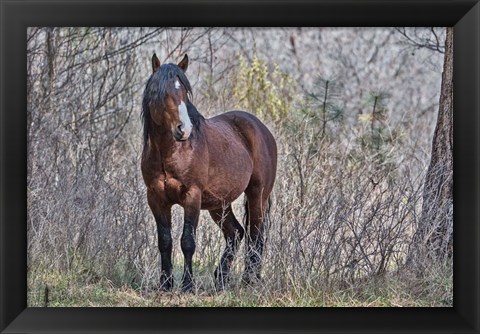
<point x="340" y="214"/>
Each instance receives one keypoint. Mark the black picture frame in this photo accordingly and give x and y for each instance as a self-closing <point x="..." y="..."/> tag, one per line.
<point x="16" y="16"/>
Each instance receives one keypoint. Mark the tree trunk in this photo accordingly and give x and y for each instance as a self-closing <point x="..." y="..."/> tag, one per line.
<point x="436" y="225"/>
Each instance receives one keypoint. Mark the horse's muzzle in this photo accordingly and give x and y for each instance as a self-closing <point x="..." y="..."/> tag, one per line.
<point x="181" y="135"/>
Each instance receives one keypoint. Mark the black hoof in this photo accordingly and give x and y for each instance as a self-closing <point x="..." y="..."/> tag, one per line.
<point x="188" y="287"/>
<point x="250" y="279"/>
<point x="166" y="284"/>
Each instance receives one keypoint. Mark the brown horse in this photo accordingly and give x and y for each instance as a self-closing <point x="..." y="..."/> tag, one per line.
<point x="204" y="164"/>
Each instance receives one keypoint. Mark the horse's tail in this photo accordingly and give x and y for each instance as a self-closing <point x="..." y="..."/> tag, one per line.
<point x="266" y="214"/>
<point x="246" y="216"/>
<point x="266" y="218"/>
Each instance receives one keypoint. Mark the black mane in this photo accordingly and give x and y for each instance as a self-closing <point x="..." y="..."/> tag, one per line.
<point x="158" y="86"/>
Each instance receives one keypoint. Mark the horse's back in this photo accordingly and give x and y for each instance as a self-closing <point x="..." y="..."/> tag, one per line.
<point x="249" y="126"/>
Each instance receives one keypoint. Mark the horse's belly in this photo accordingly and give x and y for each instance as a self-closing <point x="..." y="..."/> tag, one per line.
<point x="226" y="184"/>
<point x="212" y="200"/>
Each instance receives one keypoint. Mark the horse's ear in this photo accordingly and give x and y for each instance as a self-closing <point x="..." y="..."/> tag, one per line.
<point x="155" y="62"/>
<point x="184" y="63"/>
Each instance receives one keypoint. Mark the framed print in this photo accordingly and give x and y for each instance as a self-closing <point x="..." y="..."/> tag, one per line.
<point x="133" y="201"/>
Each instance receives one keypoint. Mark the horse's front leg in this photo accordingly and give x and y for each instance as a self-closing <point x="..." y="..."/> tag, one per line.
<point x="191" y="207"/>
<point x="164" y="228"/>
<point x="163" y="218"/>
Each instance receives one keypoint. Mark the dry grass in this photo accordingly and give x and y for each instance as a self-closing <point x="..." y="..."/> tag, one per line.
<point x="396" y="290"/>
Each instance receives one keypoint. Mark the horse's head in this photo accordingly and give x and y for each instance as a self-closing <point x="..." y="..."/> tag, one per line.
<point x="166" y="98"/>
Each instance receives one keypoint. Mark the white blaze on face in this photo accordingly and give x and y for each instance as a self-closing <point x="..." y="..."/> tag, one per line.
<point x="177" y="84"/>
<point x="185" y="119"/>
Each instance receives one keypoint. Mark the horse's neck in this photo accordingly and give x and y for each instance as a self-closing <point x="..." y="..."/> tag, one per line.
<point x="194" y="114"/>
<point x="162" y="147"/>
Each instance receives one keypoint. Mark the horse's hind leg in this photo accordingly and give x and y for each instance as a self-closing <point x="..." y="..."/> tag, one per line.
<point x="255" y="208"/>
<point x="233" y="233"/>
